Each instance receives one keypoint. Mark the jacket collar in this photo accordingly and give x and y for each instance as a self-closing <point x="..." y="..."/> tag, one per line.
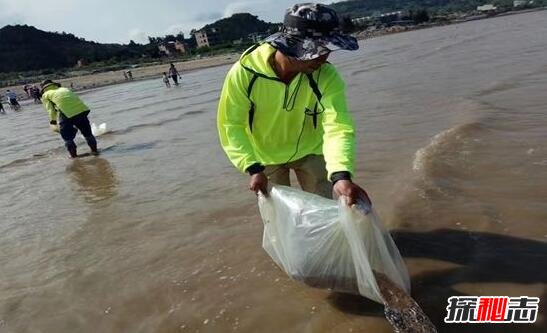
<point x="256" y="60"/>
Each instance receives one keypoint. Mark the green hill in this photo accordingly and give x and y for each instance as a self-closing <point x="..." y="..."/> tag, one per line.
<point x="25" y="48"/>
<point x="240" y="26"/>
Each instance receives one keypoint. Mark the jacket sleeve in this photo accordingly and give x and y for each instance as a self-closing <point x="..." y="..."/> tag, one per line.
<point x="339" y="131"/>
<point x="50" y="107"/>
<point x="232" y="119"/>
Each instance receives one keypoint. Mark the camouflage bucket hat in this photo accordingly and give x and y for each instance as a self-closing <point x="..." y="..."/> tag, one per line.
<point x="309" y="31"/>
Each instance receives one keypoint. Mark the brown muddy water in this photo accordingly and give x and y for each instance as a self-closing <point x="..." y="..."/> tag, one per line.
<point x="160" y="234"/>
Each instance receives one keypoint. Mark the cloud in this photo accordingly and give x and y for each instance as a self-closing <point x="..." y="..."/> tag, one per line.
<point x="205" y="17"/>
<point x="270" y="11"/>
<point x="10" y="19"/>
<point x="138" y="36"/>
<point x="28" y="10"/>
<point x="178" y="27"/>
<point x="10" y="14"/>
<point x="117" y="21"/>
<point x="243" y="7"/>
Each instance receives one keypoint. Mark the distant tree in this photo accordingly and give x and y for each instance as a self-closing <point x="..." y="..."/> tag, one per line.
<point x="420" y="16"/>
<point x="155" y="40"/>
<point x="239" y="26"/>
<point x="169" y="38"/>
<point x="347" y="25"/>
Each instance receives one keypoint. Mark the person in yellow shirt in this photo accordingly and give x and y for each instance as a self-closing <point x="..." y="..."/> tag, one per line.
<point x="283" y="107"/>
<point x="67" y="115"/>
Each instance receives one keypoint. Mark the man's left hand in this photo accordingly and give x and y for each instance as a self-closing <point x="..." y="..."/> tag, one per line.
<point x="352" y="191"/>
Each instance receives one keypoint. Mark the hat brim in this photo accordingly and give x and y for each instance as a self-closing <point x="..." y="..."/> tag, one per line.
<point x="49" y="85"/>
<point x="308" y="48"/>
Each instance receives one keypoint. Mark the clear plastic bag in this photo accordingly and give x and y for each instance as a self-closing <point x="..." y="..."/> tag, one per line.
<point x="97" y="130"/>
<point x="327" y="244"/>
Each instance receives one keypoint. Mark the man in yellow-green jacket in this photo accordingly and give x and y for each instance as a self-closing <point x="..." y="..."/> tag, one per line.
<point x="67" y="109"/>
<point x="283" y="107"/>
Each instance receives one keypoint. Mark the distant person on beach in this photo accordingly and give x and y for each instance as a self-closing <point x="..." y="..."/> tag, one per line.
<point x="2" y="106"/>
<point x="283" y="106"/>
<point x="12" y="99"/>
<point x="174" y="74"/>
<point x="125" y="75"/>
<point x="166" y="80"/>
<point x="26" y="88"/>
<point x="130" y="75"/>
<point x="64" y="105"/>
<point x="35" y="93"/>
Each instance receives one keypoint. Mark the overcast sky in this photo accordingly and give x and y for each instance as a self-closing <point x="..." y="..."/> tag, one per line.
<point x="119" y="21"/>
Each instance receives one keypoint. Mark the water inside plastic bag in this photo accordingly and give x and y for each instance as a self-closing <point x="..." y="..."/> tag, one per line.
<point x="327" y="244"/>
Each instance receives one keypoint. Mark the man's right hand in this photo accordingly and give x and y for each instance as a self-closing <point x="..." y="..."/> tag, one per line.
<point x="259" y="182"/>
<point x="351" y="191"/>
<point x="54" y="128"/>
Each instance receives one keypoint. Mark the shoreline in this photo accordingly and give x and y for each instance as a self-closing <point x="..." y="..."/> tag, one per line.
<point x="104" y="79"/>
<point x="369" y="34"/>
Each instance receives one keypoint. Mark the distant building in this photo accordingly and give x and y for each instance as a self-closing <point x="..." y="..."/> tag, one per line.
<point x="201" y="39"/>
<point x="362" y="20"/>
<point x="208" y="38"/>
<point x="383" y="18"/>
<point x="397" y="13"/>
<point x="487" y="8"/>
<point x="172" y="48"/>
<point x="181" y="47"/>
<point x="166" y="49"/>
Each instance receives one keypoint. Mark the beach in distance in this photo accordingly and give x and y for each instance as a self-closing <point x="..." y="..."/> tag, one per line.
<point x="97" y="80"/>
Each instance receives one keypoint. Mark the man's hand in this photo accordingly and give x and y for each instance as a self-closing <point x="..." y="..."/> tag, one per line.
<point x="350" y="190"/>
<point x="54" y="128"/>
<point x="259" y="182"/>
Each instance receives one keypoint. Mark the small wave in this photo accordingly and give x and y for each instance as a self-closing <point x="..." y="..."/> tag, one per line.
<point x="157" y="123"/>
<point x="194" y="112"/>
<point x="498" y="87"/>
<point x="214" y="92"/>
<point x="368" y="69"/>
<point x="135" y="147"/>
<point x="456" y="44"/>
<point x="144" y="106"/>
<point x="177" y="108"/>
<point x="59" y="152"/>
<point x="32" y="159"/>
<point x="209" y="100"/>
<point x="443" y="143"/>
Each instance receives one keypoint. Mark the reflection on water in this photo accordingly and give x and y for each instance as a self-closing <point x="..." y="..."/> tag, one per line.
<point x="95" y="178"/>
